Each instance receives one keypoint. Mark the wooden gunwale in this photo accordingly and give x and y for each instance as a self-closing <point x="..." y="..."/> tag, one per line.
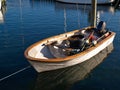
<point x="55" y="60"/>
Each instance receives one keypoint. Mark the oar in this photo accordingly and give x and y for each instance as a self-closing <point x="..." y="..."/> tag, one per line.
<point x="95" y="42"/>
<point x="104" y="35"/>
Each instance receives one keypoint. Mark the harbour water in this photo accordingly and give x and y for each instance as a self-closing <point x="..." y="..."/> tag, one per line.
<point x="24" y="22"/>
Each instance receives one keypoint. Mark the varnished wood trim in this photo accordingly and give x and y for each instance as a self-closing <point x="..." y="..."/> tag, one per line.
<point x="55" y="60"/>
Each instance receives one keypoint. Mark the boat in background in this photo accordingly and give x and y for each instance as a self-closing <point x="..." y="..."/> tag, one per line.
<point x="2" y="3"/>
<point x="68" y="49"/>
<point x="2" y="13"/>
<point x="1" y="17"/>
<point x="100" y="2"/>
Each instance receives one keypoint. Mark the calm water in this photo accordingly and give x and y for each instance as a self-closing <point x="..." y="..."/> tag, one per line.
<point x="23" y="22"/>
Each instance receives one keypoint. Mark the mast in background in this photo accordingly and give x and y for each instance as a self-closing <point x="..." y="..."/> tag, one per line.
<point x="94" y="11"/>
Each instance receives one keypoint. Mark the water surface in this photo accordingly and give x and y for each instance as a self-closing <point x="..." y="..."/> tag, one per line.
<point x="23" y="22"/>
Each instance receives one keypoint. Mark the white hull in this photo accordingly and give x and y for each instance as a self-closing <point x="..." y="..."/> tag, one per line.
<point x="47" y="66"/>
<point x="86" y="1"/>
<point x="79" y="72"/>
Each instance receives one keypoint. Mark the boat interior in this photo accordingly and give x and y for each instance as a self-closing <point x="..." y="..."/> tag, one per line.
<point x="69" y="43"/>
<point x="78" y="42"/>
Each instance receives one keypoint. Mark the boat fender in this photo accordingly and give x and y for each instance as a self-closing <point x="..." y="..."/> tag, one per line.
<point x="94" y="42"/>
<point x="106" y="34"/>
<point x="82" y="32"/>
<point x="55" y="47"/>
<point x="87" y="41"/>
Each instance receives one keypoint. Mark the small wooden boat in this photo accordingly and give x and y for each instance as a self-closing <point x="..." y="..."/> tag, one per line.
<point x="100" y="2"/>
<point x="68" y="49"/>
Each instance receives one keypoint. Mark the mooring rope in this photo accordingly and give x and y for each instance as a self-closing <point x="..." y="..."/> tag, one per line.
<point x="14" y="73"/>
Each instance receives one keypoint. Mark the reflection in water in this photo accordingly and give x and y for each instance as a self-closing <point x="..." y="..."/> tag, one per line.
<point x="65" y="78"/>
<point x="62" y="6"/>
<point x="1" y="17"/>
<point x="85" y="9"/>
<point x="35" y="3"/>
<point x="81" y="9"/>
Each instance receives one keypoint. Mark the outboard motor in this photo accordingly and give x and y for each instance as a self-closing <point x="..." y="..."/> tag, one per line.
<point x="101" y="28"/>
